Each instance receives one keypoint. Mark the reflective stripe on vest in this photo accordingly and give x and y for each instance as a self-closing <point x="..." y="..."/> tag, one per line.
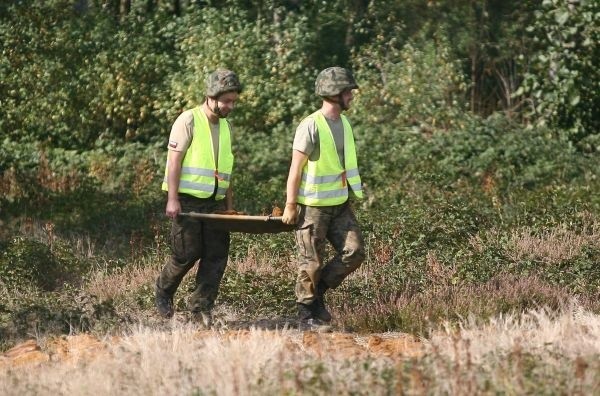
<point x="325" y="181"/>
<point x="198" y="169"/>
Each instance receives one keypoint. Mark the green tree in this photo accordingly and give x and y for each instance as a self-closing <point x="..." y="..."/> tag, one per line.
<point x="40" y="90"/>
<point x="129" y="76"/>
<point x="486" y="36"/>
<point x="71" y="76"/>
<point x="564" y="80"/>
<point x="272" y="64"/>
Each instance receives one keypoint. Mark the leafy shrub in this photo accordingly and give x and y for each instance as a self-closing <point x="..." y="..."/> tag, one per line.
<point x="579" y="273"/>
<point x="415" y="84"/>
<point x="563" y="79"/>
<point x="27" y="262"/>
<point x="495" y="151"/>
<point x="114" y="187"/>
<point x="259" y="294"/>
<point x="54" y="313"/>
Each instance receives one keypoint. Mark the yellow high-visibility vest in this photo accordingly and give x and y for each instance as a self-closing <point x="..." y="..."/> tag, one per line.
<point x="199" y="170"/>
<point x="325" y="182"/>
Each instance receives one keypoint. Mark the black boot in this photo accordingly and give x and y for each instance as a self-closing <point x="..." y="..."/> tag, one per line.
<point x="166" y="285"/>
<point x="164" y="303"/>
<point x="318" y="306"/>
<point x="308" y="320"/>
<point x="203" y="318"/>
<point x="305" y="312"/>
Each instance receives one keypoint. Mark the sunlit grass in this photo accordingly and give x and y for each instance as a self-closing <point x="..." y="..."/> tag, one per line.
<point x="536" y="351"/>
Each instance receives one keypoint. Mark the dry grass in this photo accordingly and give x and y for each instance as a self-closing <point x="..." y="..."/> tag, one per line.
<point x="185" y="361"/>
<point x="571" y="333"/>
<point x="536" y="352"/>
<point x="106" y="286"/>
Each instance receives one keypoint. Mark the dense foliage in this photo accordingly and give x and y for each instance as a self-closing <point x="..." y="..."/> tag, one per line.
<point x="564" y="79"/>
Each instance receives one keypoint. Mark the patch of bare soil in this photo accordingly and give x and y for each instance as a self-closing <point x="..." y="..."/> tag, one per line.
<point x="85" y="347"/>
<point x="62" y="349"/>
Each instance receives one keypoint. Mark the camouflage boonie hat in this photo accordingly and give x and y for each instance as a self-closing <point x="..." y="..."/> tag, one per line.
<point x="222" y="81"/>
<point x="333" y="80"/>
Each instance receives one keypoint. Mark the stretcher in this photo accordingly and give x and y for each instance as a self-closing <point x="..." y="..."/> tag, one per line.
<point x="242" y="223"/>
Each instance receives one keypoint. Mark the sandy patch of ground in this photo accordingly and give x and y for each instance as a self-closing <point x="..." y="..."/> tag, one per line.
<point x="85" y="347"/>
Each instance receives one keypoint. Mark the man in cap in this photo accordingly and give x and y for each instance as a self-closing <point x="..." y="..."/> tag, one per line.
<point x="197" y="179"/>
<point x="323" y="175"/>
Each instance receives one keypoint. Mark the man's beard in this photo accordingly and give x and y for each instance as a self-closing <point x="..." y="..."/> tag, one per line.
<point x="218" y="112"/>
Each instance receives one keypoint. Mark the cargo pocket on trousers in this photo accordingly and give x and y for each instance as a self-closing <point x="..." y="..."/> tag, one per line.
<point x="177" y="240"/>
<point x="305" y="242"/>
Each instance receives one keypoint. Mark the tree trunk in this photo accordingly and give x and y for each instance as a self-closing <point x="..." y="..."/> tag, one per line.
<point x="473" y="78"/>
<point x="124" y="7"/>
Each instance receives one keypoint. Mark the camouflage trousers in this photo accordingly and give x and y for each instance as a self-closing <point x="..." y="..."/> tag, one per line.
<point x="316" y="226"/>
<point x="195" y="241"/>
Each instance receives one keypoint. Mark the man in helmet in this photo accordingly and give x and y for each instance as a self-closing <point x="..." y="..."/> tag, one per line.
<point x="323" y="175"/>
<point x="197" y="179"/>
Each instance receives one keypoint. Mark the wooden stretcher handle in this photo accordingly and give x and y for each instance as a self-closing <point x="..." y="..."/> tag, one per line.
<point x="212" y="216"/>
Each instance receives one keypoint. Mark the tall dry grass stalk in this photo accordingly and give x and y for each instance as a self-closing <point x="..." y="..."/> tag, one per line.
<point x="537" y="352"/>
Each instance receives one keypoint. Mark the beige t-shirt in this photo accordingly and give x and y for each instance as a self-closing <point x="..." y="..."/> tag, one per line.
<point x="306" y="139"/>
<point x="182" y="133"/>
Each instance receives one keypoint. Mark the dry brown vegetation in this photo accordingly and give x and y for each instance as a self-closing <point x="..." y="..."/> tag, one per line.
<point x="500" y="355"/>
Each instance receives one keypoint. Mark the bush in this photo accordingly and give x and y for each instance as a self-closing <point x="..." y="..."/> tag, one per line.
<point x="113" y="190"/>
<point x="51" y="313"/>
<point x="99" y="78"/>
<point x="563" y="78"/>
<point x="30" y="263"/>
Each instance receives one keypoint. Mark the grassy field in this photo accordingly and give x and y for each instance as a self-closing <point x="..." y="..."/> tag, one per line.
<point x="481" y="277"/>
<point x="510" y="334"/>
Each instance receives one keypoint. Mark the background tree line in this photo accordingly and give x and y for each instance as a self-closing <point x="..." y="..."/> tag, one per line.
<point x="119" y="68"/>
<point x="89" y="84"/>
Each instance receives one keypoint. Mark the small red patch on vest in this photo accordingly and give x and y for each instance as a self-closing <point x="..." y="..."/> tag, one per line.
<point x="172" y="144"/>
